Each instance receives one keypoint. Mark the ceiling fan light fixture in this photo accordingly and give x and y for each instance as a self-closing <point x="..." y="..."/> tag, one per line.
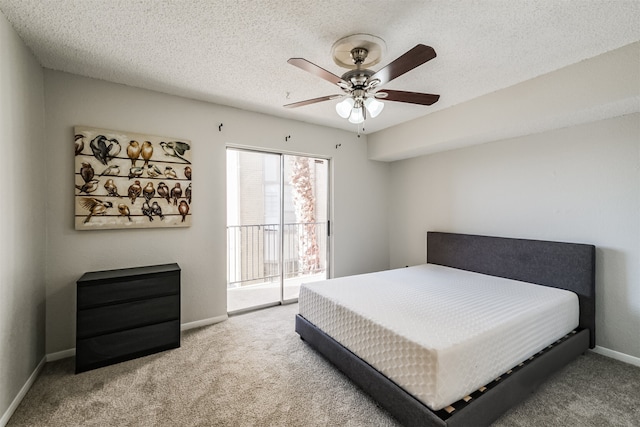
<point x="374" y="107"/>
<point x="356" y="116"/>
<point x="344" y="107"/>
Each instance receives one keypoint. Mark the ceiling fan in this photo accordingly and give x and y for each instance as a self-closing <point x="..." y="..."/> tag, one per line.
<point x="361" y="86"/>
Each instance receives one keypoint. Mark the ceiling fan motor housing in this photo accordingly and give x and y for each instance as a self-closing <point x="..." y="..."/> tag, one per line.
<point x="357" y="77"/>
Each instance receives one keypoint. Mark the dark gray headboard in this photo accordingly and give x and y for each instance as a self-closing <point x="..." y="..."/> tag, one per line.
<point x="569" y="266"/>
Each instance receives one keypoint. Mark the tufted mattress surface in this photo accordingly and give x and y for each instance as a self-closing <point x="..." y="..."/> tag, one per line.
<point x="438" y="332"/>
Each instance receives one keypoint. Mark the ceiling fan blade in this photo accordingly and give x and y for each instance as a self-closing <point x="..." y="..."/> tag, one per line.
<point x="410" y="97"/>
<point x="315" y="70"/>
<point x="312" y="101"/>
<point x="407" y="62"/>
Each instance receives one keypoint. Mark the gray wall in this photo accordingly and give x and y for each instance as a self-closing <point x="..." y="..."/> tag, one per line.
<point x="577" y="184"/>
<point x="22" y="217"/>
<point x="360" y="202"/>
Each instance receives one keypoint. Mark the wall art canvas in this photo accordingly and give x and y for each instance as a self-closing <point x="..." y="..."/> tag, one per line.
<point x="131" y="180"/>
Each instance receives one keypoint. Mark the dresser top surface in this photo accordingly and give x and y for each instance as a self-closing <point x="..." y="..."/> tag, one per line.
<point x="128" y="272"/>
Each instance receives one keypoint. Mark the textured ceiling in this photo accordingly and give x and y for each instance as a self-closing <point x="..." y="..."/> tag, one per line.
<point x="234" y="52"/>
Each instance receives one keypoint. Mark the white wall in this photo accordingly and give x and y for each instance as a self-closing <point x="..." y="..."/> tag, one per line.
<point x="360" y="213"/>
<point x="598" y="88"/>
<point x="578" y="184"/>
<point x="22" y="217"/>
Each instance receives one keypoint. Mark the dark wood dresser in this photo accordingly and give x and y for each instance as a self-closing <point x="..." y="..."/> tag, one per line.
<point x="127" y="313"/>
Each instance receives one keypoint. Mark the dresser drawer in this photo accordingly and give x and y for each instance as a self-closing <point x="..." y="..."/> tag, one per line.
<point x="112" y="318"/>
<point x="112" y="348"/>
<point x="91" y="294"/>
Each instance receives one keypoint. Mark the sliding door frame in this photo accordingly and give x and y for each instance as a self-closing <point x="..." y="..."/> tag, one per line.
<point x="329" y="233"/>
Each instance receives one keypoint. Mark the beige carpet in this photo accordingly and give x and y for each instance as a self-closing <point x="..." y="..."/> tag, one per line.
<point x="253" y="370"/>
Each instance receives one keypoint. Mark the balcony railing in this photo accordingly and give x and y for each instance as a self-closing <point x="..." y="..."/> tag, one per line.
<point x="254" y="252"/>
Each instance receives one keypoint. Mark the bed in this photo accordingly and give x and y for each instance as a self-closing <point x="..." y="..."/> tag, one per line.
<point x="410" y="367"/>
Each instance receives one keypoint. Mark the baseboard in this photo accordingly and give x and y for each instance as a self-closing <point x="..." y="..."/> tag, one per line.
<point x="632" y="360"/>
<point x="203" y="322"/>
<point x="23" y="391"/>
<point x="51" y="357"/>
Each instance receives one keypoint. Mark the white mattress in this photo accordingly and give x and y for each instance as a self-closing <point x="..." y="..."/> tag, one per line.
<point x="438" y="332"/>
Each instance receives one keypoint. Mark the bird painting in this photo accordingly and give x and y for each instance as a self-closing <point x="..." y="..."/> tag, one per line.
<point x="183" y="209"/>
<point x="88" y="187"/>
<point x="187" y="193"/>
<point x="86" y="171"/>
<point x="108" y="187"/>
<point x="133" y="151"/>
<point x="176" y="193"/>
<point x="111" y="188"/>
<point x="155" y="208"/>
<point x="134" y="191"/>
<point x="163" y="191"/>
<point x="111" y="170"/>
<point x="135" y="172"/>
<point x="95" y="207"/>
<point x="147" y="211"/>
<point x="153" y="171"/>
<point x="170" y="173"/>
<point x="148" y="191"/>
<point x="175" y="149"/>
<point x="124" y="210"/>
<point x="79" y="143"/>
<point x="146" y="152"/>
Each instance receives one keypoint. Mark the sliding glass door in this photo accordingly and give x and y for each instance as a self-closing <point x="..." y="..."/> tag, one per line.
<point x="277" y="226"/>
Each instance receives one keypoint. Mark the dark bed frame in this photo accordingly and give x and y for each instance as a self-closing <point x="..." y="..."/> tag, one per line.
<point x="569" y="266"/>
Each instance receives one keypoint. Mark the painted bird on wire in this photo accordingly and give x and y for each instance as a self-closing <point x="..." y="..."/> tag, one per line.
<point x="134" y="191"/>
<point x="112" y="189"/>
<point x="163" y="191"/>
<point x="170" y="173"/>
<point x="88" y="187"/>
<point x="101" y="150"/>
<point x="79" y="143"/>
<point x="148" y="191"/>
<point x="153" y="171"/>
<point x="147" y="211"/>
<point x="112" y="170"/>
<point x="183" y="209"/>
<point x="155" y="208"/>
<point x="114" y="149"/>
<point x="146" y="152"/>
<point x="176" y="193"/>
<point x="135" y="172"/>
<point x="133" y="151"/>
<point x="124" y="210"/>
<point x="95" y="207"/>
<point x="187" y="193"/>
<point x="86" y="171"/>
<point x="175" y="149"/>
